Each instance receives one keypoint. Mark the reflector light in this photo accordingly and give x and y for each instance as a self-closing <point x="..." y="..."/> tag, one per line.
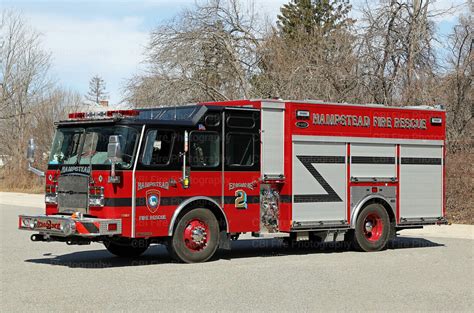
<point x="375" y="189"/>
<point x="50" y="188"/>
<point x="112" y="227"/>
<point x="302" y="114"/>
<point x="436" y="120"/>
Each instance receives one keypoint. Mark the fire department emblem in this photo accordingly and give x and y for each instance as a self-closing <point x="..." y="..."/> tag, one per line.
<point x="153" y="200"/>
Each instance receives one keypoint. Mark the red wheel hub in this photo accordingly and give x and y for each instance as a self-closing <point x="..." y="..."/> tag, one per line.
<point x="373" y="227"/>
<point x="196" y="235"/>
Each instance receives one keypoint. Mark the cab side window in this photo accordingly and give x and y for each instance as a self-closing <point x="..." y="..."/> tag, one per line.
<point x="240" y="149"/>
<point x="158" y="147"/>
<point x="204" y="149"/>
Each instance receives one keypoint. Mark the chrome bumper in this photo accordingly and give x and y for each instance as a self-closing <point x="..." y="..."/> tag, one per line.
<point x="64" y="226"/>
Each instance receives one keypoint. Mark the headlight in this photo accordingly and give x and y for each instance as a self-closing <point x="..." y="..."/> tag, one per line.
<point x="96" y="196"/>
<point x="51" y="198"/>
<point x="96" y="201"/>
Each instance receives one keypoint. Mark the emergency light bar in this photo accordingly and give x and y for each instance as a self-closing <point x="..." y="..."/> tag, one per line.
<point x="103" y="114"/>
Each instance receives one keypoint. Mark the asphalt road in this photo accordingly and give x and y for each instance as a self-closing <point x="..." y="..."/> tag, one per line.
<point x="415" y="274"/>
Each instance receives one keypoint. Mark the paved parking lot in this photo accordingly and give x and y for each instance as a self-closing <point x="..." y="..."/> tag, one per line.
<point x="418" y="272"/>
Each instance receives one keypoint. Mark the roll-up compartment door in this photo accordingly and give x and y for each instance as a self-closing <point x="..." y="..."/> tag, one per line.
<point x="369" y="161"/>
<point x="319" y="182"/>
<point x="272" y="117"/>
<point x="421" y="181"/>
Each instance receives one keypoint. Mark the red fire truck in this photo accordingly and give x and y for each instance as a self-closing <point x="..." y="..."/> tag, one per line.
<point x="193" y="177"/>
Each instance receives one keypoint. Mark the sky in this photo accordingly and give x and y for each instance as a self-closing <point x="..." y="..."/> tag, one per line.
<point x="108" y="38"/>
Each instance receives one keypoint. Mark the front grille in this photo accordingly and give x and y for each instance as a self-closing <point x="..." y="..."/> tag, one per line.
<point x="73" y="193"/>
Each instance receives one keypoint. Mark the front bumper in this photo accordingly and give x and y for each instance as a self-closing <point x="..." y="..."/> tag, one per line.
<point x="64" y="226"/>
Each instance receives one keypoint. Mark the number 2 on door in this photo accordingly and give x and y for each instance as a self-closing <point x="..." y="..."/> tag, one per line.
<point x="241" y="199"/>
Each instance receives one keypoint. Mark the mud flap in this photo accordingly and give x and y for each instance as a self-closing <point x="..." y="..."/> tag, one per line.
<point x="224" y="241"/>
<point x="224" y="246"/>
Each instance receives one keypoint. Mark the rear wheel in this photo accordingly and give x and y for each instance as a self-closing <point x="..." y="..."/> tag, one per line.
<point x="128" y="248"/>
<point x="195" y="238"/>
<point x="372" y="229"/>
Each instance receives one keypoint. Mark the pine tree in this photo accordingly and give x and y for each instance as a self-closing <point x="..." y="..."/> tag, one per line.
<point x="97" y="91"/>
<point x="311" y="16"/>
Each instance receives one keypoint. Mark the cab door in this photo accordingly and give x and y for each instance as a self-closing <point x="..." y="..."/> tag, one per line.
<point x="162" y="166"/>
<point x="241" y="186"/>
<point x="157" y="175"/>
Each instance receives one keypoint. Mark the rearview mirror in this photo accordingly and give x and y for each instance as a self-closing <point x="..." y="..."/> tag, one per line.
<point x="30" y="151"/>
<point x="114" y="154"/>
<point x="30" y="156"/>
<point x="114" y="151"/>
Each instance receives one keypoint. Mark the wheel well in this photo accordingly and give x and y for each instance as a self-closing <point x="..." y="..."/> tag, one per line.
<point x="205" y="204"/>
<point x="386" y="206"/>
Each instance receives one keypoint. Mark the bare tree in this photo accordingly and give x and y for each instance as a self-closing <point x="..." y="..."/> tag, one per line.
<point x="24" y="77"/>
<point x="97" y="90"/>
<point x="205" y="53"/>
<point x="458" y="86"/>
<point x="53" y="105"/>
<point x="396" y="51"/>
<point x="29" y="101"/>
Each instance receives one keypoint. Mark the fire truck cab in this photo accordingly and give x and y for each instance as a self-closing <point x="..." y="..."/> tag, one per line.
<point x="192" y="177"/>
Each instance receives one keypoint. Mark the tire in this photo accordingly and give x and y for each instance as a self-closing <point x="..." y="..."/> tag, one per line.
<point x="372" y="229"/>
<point x="126" y="249"/>
<point x="195" y="237"/>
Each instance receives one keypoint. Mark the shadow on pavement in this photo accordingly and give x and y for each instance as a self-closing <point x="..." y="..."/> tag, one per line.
<point x="412" y="242"/>
<point x="157" y="254"/>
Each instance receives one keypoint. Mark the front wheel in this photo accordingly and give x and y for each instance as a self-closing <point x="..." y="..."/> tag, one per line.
<point x="372" y="229"/>
<point x="195" y="238"/>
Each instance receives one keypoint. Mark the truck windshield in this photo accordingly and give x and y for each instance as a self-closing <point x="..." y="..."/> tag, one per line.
<point x="89" y="145"/>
